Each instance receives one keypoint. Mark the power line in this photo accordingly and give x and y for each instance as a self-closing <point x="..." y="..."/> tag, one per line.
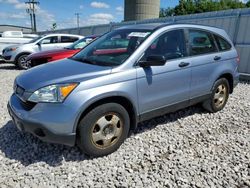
<point x="31" y="10"/>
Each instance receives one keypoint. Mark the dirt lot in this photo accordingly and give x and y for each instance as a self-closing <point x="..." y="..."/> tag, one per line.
<point x="189" y="148"/>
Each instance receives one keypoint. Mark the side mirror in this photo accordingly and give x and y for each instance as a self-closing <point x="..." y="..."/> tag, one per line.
<point x="38" y="44"/>
<point x="153" y="60"/>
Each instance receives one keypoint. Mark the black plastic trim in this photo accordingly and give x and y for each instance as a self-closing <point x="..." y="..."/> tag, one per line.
<point x="172" y="108"/>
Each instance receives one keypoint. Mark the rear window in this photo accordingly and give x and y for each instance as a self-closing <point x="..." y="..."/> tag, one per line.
<point x="68" y="39"/>
<point x="223" y="45"/>
<point x="201" y="42"/>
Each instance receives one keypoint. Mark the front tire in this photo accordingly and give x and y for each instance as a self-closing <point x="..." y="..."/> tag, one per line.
<point x="103" y="129"/>
<point x="219" y="96"/>
<point x="21" y="62"/>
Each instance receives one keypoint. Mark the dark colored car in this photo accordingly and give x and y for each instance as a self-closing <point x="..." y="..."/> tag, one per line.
<point x="53" y="55"/>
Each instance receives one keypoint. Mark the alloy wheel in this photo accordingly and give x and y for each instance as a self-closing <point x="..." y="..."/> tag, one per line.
<point x="107" y="130"/>
<point x="220" y="95"/>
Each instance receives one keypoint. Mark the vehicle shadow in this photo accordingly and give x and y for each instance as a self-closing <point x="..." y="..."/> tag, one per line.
<point x="8" y="67"/>
<point x="28" y="149"/>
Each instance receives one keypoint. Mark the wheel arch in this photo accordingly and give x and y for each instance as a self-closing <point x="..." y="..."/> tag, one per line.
<point x="20" y="54"/>
<point x="124" y="101"/>
<point x="230" y="80"/>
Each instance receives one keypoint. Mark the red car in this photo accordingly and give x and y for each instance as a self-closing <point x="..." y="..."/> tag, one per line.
<point x="52" y="55"/>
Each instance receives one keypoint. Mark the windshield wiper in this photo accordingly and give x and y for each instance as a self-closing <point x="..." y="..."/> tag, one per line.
<point x="84" y="60"/>
<point x="99" y="63"/>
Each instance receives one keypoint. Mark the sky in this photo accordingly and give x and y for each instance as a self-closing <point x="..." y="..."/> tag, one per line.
<point x="62" y="12"/>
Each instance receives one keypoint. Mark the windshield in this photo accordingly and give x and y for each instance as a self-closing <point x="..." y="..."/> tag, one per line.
<point x="113" y="48"/>
<point x="35" y="39"/>
<point x="80" y="43"/>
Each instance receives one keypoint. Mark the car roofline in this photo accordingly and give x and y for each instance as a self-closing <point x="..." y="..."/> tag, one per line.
<point x="159" y="25"/>
<point x="61" y="34"/>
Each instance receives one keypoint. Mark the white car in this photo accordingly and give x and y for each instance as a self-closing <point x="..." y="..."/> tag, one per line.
<point x="8" y="38"/>
<point x="17" y="53"/>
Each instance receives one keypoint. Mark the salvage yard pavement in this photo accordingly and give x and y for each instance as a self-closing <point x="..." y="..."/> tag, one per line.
<point x="188" y="148"/>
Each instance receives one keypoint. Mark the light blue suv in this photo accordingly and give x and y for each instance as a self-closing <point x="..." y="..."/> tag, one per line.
<point x="126" y="76"/>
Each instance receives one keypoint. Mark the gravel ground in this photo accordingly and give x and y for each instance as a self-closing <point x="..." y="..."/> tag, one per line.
<point x="189" y="148"/>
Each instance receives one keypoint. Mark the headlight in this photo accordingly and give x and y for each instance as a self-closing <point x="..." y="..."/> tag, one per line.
<point x="52" y="93"/>
<point x="11" y="49"/>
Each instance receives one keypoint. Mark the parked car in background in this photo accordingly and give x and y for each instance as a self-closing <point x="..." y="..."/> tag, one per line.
<point x="9" y="38"/>
<point x="17" y="53"/>
<point x="94" y="99"/>
<point x="52" y="55"/>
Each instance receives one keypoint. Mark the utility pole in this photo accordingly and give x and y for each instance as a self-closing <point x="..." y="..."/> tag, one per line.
<point x="78" y="19"/>
<point x="28" y="10"/>
<point x="31" y="10"/>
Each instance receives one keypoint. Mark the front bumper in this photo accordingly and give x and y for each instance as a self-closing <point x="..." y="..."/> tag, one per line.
<point x="5" y="59"/>
<point x="2" y="59"/>
<point x="10" y="56"/>
<point x="26" y="123"/>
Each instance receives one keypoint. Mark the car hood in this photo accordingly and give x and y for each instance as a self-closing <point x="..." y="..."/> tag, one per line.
<point x="63" y="71"/>
<point x="19" y="45"/>
<point x="51" y="52"/>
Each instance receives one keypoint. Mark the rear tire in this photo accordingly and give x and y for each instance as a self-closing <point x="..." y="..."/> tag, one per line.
<point x="103" y="129"/>
<point x="21" y="62"/>
<point x="219" y="96"/>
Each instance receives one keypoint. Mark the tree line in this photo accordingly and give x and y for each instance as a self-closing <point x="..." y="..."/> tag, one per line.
<point x="198" y="6"/>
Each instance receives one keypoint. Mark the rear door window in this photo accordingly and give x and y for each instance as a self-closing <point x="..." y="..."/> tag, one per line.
<point x="201" y="42"/>
<point x="68" y="39"/>
<point x="223" y="45"/>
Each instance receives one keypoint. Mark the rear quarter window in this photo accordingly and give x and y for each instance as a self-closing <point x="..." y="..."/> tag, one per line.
<point x="222" y="43"/>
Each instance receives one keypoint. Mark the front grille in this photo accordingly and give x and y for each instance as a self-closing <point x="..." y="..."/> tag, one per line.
<point x="19" y="91"/>
<point x="27" y="105"/>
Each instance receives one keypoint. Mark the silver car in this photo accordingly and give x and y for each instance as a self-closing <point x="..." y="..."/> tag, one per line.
<point x="17" y="53"/>
<point x="129" y="75"/>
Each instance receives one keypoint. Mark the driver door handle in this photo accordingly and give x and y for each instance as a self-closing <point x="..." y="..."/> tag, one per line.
<point x="183" y="64"/>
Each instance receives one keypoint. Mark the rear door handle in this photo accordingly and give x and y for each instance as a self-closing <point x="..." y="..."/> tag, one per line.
<point x="216" y="58"/>
<point x="183" y="64"/>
